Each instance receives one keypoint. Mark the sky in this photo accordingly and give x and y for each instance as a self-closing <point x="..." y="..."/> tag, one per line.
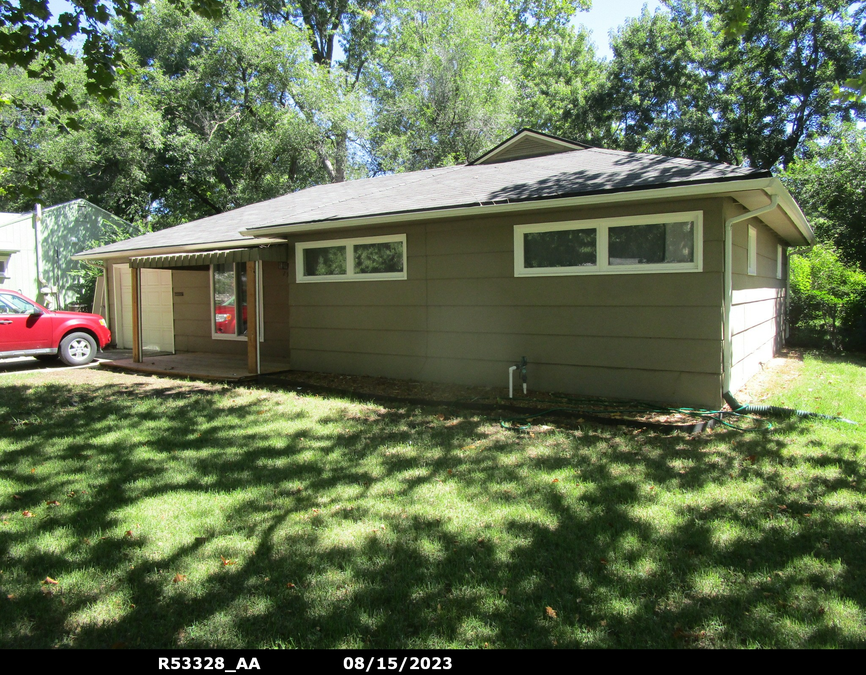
<point x="604" y="16"/>
<point x="607" y="15"/>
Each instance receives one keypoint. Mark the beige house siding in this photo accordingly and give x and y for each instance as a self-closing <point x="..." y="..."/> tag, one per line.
<point x="275" y="310"/>
<point x="192" y="320"/>
<point x="463" y="317"/>
<point x="192" y="323"/>
<point x="757" y="302"/>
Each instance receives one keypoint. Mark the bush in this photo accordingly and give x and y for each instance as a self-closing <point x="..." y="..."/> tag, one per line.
<point x="828" y="300"/>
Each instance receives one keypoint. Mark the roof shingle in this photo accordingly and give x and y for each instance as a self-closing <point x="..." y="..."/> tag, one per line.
<point x="579" y="172"/>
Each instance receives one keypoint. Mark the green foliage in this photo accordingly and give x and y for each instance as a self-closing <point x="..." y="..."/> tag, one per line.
<point x="828" y="297"/>
<point x="87" y="272"/>
<point x="442" y="85"/>
<point x="108" y="159"/>
<point x="246" y="114"/>
<point x="32" y="39"/>
<point x="681" y="87"/>
<point x="828" y="180"/>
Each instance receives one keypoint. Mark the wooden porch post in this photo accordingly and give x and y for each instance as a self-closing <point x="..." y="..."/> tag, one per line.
<point x="252" y="320"/>
<point x="136" y="314"/>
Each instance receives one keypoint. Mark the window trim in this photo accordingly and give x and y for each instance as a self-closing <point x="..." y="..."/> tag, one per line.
<point x="602" y="226"/>
<point x="752" y="251"/>
<point x="350" y="275"/>
<point x="259" y="305"/>
<point x="5" y="254"/>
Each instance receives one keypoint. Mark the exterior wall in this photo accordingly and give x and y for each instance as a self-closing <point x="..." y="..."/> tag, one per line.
<point x="758" y="301"/>
<point x="275" y="310"/>
<point x="463" y="317"/>
<point x="112" y="318"/>
<point x="192" y="322"/>
<point x="65" y="230"/>
<point x="19" y="234"/>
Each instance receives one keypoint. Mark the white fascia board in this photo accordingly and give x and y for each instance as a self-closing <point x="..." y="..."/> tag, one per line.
<point x="790" y="207"/>
<point x="188" y="248"/>
<point x="701" y="189"/>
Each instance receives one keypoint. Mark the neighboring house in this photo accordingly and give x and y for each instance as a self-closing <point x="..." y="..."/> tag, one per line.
<point x="614" y="273"/>
<point x="36" y="249"/>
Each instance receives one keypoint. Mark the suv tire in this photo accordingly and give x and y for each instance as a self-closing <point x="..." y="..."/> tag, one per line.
<point x="77" y="349"/>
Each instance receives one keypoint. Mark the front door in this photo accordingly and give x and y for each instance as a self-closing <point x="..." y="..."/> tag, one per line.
<point x="157" y="309"/>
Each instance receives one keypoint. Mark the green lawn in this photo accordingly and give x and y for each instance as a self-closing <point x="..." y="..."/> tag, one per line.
<point x="205" y="516"/>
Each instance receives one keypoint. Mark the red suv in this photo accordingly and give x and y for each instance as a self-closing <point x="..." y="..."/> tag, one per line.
<point x="28" y="329"/>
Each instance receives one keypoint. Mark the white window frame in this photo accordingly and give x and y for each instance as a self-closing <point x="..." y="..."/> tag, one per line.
<point x="780" y="253"/>
<point x="260" y="319"/>
<point x="4" y="263"/>
<point x="602" y="226"/>
<point x="752" y="250"/>
<point x="350" y="275"/>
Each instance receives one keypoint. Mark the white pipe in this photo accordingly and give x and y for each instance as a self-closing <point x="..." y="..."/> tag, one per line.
<point x="729" y="284"/>
<point x="511" y="382"/>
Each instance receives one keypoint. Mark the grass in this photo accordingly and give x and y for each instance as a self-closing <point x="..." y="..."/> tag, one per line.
<point x="205" y="516"/>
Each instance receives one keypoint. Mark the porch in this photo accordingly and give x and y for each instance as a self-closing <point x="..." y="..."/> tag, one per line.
<point x="199" y="366"/>
<point x="213" y="316"/>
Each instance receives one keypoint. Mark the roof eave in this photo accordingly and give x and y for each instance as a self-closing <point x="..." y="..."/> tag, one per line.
<point x="94" y="254"/>
<point x="725" y="186"/>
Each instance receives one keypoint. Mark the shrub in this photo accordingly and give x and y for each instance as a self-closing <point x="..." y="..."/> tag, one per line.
<point x="828" y="300"/>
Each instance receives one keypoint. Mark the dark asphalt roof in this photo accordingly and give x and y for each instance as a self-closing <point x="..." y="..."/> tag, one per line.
<point x="579" y="172"/>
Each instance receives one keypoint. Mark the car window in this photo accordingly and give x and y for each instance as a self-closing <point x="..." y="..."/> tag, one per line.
<point x="12" y="304"/>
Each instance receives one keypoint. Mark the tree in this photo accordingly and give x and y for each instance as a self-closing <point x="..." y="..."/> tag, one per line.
<point x="443" y="86"/>
<point x="107" y="159"/>
<point x="562" y="89"/>
<point x="829" y="182"/>
<point x="827" y="295"/>
<point x="681" y="86"/>
<point x="30" y="40"/>
<point x="327" y="25"/>
<point x="245" y="110"/>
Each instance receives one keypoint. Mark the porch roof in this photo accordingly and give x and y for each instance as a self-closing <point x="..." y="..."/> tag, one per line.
<point x="277" y="253"/>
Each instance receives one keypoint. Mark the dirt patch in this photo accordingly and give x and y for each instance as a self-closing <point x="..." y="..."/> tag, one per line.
<point x="96" y="377"/>
<point x="487" y="398"/>
<point x="777" y="374"/>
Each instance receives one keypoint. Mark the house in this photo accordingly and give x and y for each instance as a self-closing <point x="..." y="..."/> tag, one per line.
<point x="36" y="249"/>
<point x="614" y="273"/>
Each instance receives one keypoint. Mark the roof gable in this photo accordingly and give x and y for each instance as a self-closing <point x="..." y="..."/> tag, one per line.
<point x="527" y="143"/>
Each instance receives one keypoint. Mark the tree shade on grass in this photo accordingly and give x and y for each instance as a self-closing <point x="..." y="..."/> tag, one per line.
<point x="183" y="514"/>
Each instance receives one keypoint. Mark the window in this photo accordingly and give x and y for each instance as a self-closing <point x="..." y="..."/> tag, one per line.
<point x="753" y="250"/>
<point x="12" y="304"/>
<point x="4" y="263"/>
<point x="780" y="256"/>
<point x="229" y="301"/>
<point x="368" y="258"/>
<point x="669" y="242"/>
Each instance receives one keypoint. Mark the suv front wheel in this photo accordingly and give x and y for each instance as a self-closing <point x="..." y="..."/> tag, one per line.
<point x="77" y="349"/>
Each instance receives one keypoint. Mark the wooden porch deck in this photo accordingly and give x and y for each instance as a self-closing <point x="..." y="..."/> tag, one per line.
<point x="198" y="365"/>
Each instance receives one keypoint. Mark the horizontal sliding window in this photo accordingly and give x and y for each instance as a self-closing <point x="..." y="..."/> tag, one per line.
<point x="367" y="258"/>
<point x="653" y="243"/>
<point x="559" y="248"/>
